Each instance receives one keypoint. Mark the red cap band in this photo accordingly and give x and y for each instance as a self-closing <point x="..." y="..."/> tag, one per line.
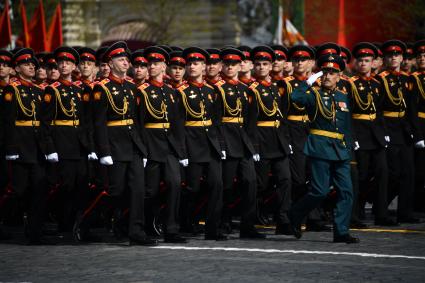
<point x="23" y="57"/>
<point x="421" y="48"/>
<point x="196" y="56"/>
<point x="301" y="53"/>
<point x="233" y="57"/>
<point x="116" y="51"/>
<point x="178" y="60"/>
<point x="214" y="56"/>
<point x="280" y="53"/>
<point x="262" y="54"/>
<point x="140" y="59"/>
<point x="88" y="55"/>
<point x="394" y="48"/>
<point x="328" y="51"/>
<point x="330" y="65"/>
<point x="156" y="56"/>
<point x="66" y="55"/>
<point x="409" y="51"/>
<point x="343" y="54"/>
<point x="5" y="58"/>
<point x="247" y="54"/>
<point x="52" y="61"/>
<point x="364" y="51"/>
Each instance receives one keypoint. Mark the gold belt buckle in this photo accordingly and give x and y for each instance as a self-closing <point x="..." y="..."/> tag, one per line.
<point x="277" y="123"/>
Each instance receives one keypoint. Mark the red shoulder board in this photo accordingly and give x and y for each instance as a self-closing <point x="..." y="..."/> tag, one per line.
<point x="103" y="82"/>
<point x="43" y="85"/>
<point x="143" y="86"/>
<point x="383" y="74"/>
<point x="288" y="79"/>
<point x="220" y="83"/>
<point x="77" y="83"/>
<point x="129" y="79"/>
<point x="353" y="78"/>
<point x="15" y="83"/>
<point x="208" y="85"/>
<point x="55" y="84"/>
<point x="254" y="85"/>
<point x="183" y="87"/>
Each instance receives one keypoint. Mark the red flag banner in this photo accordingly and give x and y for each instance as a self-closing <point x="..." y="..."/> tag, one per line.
<point x="54" y="35"/>
<point x="5" y="28"/>
<point x="23" y="39"/>
<point x="35" y="32"/>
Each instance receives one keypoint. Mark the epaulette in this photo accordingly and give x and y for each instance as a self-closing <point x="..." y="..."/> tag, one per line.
<point x="55" y="84"/>
<point x="104" y="81"/>
<point x="220" y="83"/>
<point x="15" y="83"/>
<point x="128" y="79"/>
<point x="143" y="86"/>
<point x="354" y="78"/>
<point x="288" y="79"/>
<point x="183" y="87"/>
<point x="384" y="74"/>
<point x="254" y="85"/>
<point x="208" y="85"/>
<point x="242" y="83"/>
<point x="43" y="85"/>
<point x="374" y="79"/>
<point x="404" y="73"/>
<point x="344" y="77"/>
<point x="416" y="73"/>
<point x="77" y="83"/>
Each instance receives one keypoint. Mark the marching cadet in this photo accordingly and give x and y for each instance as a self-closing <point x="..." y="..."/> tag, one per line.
<point x="281" y="53"/>
<point x="140" y="66"/>
<point x="68" y="145"/>
<point x="346" y="56"/>
<point x="214" y="66"/>
<point x="245" y="74"/>
<point x="327" y="146"/>
<point x="163" y="133"/>
<point x="270" y="136"/>
<point x="418" y="79"/>
<point x="25" y="143"/>
<point x="176" y="69"/>
<point x="378" y="63"/>
<point x="119" y="145"/>
<point x="51" y="68"/>
<point x="398" y="109"/>
<point x="41" y="72"/>
<point x="369" y="131"/>
<point x="103" y="66"/>
<point x="408" y="63"/>
<point x="198" y="103"/>
<point x="238" y="151"/>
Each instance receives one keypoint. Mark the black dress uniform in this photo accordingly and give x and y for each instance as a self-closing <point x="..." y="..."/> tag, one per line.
<point x="246" y="51"/>
<point x="117" y="136"/>
<point x="418" y="80"/>
<point x="398" y="114"/>
<point x="328" y="147"/>
<point x="270" y="137"/>
<point x="25" y="139"/>
<point x="369" y="132"/>
<point x="163" y="133"/>
<point x="63" y="110"/>
<point x="281" y="53"/>
<point x="236" y="122"/>
<point x="198" y="106"/>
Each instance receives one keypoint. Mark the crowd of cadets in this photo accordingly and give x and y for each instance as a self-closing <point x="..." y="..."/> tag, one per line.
<point x="169" y="136"/>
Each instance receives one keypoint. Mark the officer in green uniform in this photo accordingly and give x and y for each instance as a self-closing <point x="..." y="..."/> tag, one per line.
<point x="327" y="146"/>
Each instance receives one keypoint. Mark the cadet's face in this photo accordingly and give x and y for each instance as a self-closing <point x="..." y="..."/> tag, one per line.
<point x="393" y="61"/>
<point x="213" y="69"/>
<point x="330" y="78"/>
<point x="231" y="70"/>
<point x="301" y="65"/>
<point x="27" y="70"/>
<point x="4" y="70"/>
<point x="104" y="70"/>
<point x="195" y="69"/>
<point x="140" y="72"/>
<point x="420" y="61"/>
<point x="246" y="66"/>
<point x="278" y="65"/>
<point x="52" y="74"/>
<point x="288" y="67"/>
<point x="407" y="63"/>
<point x="86" y="68"/>
<point x="262" y="68"/>
<point x="156" y="68"/>
<point x="364" y="65"/>
<point x="176" y="73"/>
<point x="120" y="64"/>
<point x="66" y="67"/>
<point x="41" y="74"/>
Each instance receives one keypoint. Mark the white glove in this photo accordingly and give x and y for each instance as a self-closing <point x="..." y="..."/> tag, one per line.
<point x="256" y="157"/>
<point x="387" y="138"/>
<point x="356" y="145"/>
<point x="12" y="157"/>
<point x="291" y="151"/>
<point x="145" y="160"/>
<point x="184" y="162"/>
<point x="106" y="160"/>
<point x="223" y="154"/>
<point x="92" y="156"/>
<point x="314" y="77"/>
<point x="53" y="157"/>
<point x="420" y="144"/>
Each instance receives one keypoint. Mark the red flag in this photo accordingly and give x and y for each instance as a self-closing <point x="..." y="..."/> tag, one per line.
<point x="23" y="39"/>
<point x="341" y="24"/>
<point x="5" y="28"/>
<point x="34" y="35"/>
<point x="54" y="35"/>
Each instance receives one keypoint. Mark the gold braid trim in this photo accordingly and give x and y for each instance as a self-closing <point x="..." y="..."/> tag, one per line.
<point x="66" y="112"/>
<point x="360" y="103"/>
<point x="397" y="101"/>
<point x="421" y="89"/>
<point x="237" y="111"/>
<point x="157" y="114"/>
<point x="120" y="111"/>
<point x="27" y="112"/>
<point x="193" y="113"/>
<point x="324" y="111"/>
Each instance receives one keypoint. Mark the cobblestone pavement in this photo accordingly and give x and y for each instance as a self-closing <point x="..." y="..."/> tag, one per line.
<point x="389" y="256"/>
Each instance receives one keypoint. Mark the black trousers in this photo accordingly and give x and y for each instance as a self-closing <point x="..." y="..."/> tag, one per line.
<point x="127" y="179"/>
<point x="4" y="171"/>
<point x="374" y="163"/>
<point x="281" y="173"/>
<point x="169" y="172"/>
<point x="244" y="170"/>
<point x="29" y="183"/>
<point x="73" y="189"/>
<point x="419" y="180"/>
<point x="401" y="178"/>
<point x="213" y="178"/>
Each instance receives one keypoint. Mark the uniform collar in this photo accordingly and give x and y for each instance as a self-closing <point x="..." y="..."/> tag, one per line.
<point x="65" y="82"/>
<point x="86" y="82"/>
<point x="116" y="79"/>
<point x="247" y="80"/>
<point x="198" y="85"/>
<point x="300" y="78"/>
<point x="213" y="81"/>
<point x="265" y="83"/>
<point x="277" y="77"/>
<point x="24" y="82"/>
<point x="156" y="83"/>
<point x="176" y="84"/>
